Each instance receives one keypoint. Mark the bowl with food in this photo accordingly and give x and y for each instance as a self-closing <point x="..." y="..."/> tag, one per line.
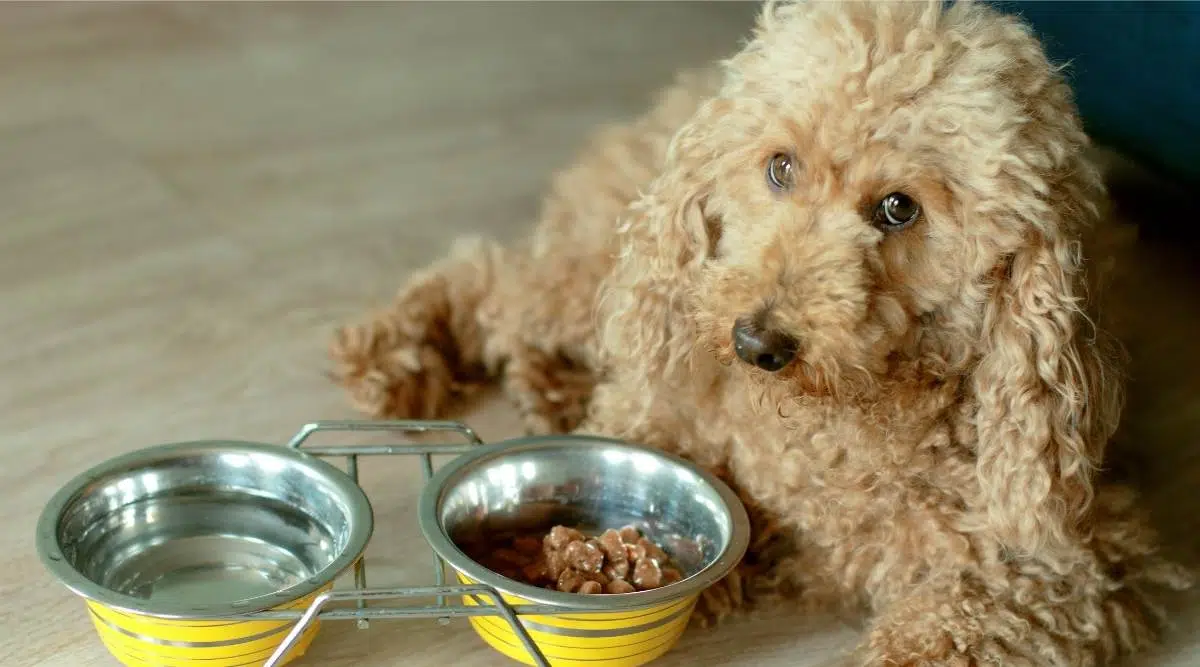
<point x="614" y="539"/>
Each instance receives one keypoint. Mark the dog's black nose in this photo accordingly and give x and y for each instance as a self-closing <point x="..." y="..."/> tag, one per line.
<point x="768" y="349"/>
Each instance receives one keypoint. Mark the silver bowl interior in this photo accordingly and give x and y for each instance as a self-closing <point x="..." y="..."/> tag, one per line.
<point x="593" y="484"/>
<point x="200" y="529"/>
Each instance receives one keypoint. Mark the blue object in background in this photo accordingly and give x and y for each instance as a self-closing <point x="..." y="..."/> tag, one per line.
<point x="1135" y="69"/>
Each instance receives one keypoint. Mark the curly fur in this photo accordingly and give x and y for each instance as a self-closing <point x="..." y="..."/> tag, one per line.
<point x="932" y="454"/>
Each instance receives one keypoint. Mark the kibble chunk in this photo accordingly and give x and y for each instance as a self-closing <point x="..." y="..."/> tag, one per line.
<point x="618" y="586"/>
<point x="564" y="559"/>
<point x="584" y="556"/>
<point x="591" y="588"/>
<point x="629" y="534"/>
<point x="561" y="536"/>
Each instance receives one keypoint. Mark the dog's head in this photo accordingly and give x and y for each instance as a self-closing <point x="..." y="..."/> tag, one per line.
<point x="895" y="189"/>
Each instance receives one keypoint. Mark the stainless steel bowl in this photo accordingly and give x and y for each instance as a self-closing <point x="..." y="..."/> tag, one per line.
<point x="203" y="529"/>
<point x="592" y="483"/>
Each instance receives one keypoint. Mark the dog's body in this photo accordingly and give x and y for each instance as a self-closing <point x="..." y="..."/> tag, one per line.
<point x="914" y="412"/>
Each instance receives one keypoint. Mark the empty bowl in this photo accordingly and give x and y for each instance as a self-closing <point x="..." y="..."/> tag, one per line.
<point x="169" y="545"/>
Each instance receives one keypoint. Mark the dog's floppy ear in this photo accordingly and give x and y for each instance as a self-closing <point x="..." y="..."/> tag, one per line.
<point x="1047" y="397"/>
<point x="663" y="239"/>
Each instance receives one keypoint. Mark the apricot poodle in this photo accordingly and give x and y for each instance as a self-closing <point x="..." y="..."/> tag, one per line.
<point x="845" y="269"/>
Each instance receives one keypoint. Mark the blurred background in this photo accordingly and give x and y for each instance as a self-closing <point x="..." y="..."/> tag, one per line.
<point x="193" y="195"/>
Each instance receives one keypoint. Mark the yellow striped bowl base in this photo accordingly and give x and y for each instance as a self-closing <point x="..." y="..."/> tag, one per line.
<point x="627" y="638"/>
<point x="147" y="641"/>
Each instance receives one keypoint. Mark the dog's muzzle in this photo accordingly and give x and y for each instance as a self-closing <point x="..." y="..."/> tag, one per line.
<point x="767" y="349"/>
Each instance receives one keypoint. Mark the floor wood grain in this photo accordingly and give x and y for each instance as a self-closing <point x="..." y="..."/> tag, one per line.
<point x="193" y="194"/>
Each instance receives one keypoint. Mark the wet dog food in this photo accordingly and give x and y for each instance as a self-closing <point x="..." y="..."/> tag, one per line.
<point x="617" y="561"/>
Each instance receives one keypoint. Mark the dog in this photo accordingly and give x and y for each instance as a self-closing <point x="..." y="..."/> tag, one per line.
<point x="845" y="268"/>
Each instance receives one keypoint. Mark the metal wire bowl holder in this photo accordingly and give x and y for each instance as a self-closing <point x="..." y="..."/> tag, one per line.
<point x="361" y="595"/>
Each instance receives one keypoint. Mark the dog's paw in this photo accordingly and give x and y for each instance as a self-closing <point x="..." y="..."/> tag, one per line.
<point x="900" y="657"/>
<point x="389" y="375"/>
<point x="718" y="602"/>
<point x="920" y="642"/>
<point x="551" y="392"/>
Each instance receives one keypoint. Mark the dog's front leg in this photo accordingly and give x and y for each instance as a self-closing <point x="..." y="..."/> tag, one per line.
<point x="1017" y="622"/>
<point x="943" y="624"/>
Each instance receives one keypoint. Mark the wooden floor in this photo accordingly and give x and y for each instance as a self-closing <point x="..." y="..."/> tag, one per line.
<point x="193" y="195"/>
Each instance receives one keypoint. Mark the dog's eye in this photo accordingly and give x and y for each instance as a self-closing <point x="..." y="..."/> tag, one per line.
<point x="780" y="172"/>
<point x="896" y="211"/>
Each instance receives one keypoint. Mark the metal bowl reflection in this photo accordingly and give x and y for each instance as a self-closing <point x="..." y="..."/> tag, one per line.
<point x="160" y="538"/>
